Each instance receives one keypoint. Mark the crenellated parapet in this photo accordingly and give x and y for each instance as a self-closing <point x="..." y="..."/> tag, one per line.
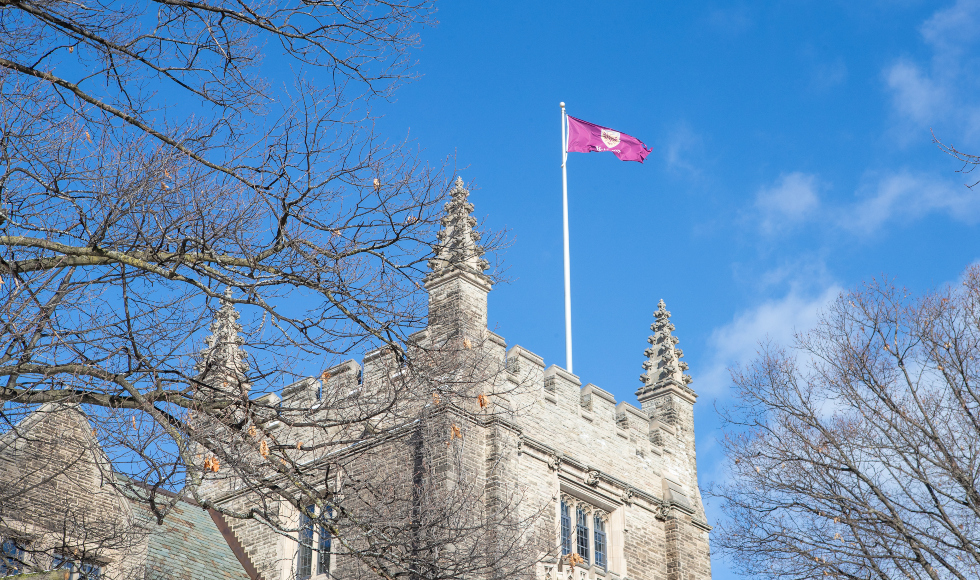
<point x="634" y="442"/>
<point x="555" y="390"/>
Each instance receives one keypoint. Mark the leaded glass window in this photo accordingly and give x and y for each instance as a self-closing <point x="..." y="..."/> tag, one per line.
<point x="304" y="557"/>
<point x="582" y="534"/>
<point x="599" y="527"/>
<point x="11" y="558"/>
<point x="57" y="563"/>
<point x="77" y="570"/>
<point x="566" y="529"/>
<point x="89" y="571"/>
<point x="323" y="547"/>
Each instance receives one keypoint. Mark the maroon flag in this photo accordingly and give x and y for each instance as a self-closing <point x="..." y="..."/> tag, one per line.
<point x="585" y="137"/>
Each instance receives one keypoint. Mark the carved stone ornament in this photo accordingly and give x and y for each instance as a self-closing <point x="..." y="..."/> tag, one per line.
<point x="575" y="504"/>
<point x="663" y="512"/>
<point x="554" y="461"/>
<point x="592" y="477"/>
<point x="520" y="446"/>
<point x="223" y="360"/>
<point x="603" y="515"/>
<point x="627" y="496"/>
<point x="663" y="366"/>
<point x="458" y="247"/>
<point x="548" y="572"/>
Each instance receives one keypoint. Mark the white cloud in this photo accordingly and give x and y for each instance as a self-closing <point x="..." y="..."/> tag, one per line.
<point x="805" y="272"/>
<point x="777" y="320"/>
<point x="790" y="201"/>
<point x="954" y="28"/>
<point x="943" y="90"/>
<point x="915" y="95"/>
<point x="683" y="144"/>
<point x="899" y="196"/>
<point x="908" y="196"/>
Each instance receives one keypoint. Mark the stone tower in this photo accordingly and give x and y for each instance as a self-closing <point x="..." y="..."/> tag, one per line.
<point x="222" y="364"/>
<point x="608" y="490"/>
<point x="669" y="402"/>
<point x="456" y="285"/>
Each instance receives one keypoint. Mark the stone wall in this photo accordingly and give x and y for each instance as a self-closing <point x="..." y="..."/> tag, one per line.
<point x="58" y="498"/>
<point x="538" y="435"/>
<point x="626" y="460"/>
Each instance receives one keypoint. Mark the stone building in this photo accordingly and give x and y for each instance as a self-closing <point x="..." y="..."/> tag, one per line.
<point x="60" y="510"/>
<point x="608" y="489"/>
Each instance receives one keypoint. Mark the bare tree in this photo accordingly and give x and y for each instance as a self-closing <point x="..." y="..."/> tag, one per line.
<point x="856" y="453"/>
<point x="969" y="161"/>
<point x="164" y="163"/>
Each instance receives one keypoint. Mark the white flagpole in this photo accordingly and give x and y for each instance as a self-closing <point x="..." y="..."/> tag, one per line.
<point x="568" y="276"/>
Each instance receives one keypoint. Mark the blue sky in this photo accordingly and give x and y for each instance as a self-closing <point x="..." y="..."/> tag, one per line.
<point x="792" y="158"/>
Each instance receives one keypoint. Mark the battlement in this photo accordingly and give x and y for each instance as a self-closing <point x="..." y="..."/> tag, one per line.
<point x="577" y="432"/>
<point x="551" y="389"/>
<point x="587" y="404"/>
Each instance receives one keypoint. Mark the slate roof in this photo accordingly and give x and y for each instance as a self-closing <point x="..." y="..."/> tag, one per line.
<point x="188" y="546"/>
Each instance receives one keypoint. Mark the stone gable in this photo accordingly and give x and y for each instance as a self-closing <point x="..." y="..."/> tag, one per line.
<point x="60" y="498"/>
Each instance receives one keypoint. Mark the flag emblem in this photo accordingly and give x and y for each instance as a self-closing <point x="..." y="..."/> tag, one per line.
<point x="584" y="137"/>
<point x="610" y="138"/>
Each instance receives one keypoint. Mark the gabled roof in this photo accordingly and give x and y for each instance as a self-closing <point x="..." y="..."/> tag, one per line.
<point x="52" y="456"/>
<point x="189" y="546"/>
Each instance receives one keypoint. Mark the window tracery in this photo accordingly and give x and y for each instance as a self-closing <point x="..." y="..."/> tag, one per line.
<point x="584" y="542"/>
<point x="312" y="538"/>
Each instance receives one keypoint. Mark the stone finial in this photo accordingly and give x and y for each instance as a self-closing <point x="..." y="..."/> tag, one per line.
<point x="663" y="365"/>
<point x="457" y="248"/>
<point x="223" y="359"/>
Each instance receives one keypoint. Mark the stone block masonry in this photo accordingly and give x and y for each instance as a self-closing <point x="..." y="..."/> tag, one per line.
<point x="589" y="487"/>
<point x="628" y="471"/>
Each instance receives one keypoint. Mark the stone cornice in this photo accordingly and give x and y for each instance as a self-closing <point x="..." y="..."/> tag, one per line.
<point x="434" y="280"/>
<point x="682" y="391"/>
<point x="628" y="493"/>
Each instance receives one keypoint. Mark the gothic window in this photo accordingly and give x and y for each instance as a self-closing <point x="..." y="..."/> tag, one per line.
<point x="323" y="557"/>
<point x="304" y="558"/>
<point x="582" y="534"/>
<point x="600" y="545"/>
<point x="587" y="535"/>
<point x="11" y="558"/>
<point x="313" y="539"/>
<point x="89" y="571"/>
<point x="566" y="529"/>
<point x="77" y="570"/>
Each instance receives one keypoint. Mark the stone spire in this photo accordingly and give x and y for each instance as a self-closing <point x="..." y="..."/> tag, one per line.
<point x="458" y="248"/>
<point x="663" y="366"/>
<point x="223" y="359"/>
